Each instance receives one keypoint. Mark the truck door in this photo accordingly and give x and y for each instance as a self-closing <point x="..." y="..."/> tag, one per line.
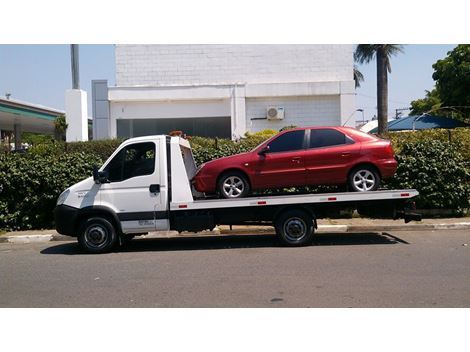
<point x="133" y="190"/>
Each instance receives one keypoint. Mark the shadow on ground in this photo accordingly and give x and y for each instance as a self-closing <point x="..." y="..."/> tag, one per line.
<point x="227" y="242"/>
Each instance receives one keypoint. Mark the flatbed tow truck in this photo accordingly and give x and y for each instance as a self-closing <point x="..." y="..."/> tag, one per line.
<point x="145" y="185"/>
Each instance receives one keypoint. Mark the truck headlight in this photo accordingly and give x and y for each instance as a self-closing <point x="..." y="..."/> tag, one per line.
<point x="63" y="196"/>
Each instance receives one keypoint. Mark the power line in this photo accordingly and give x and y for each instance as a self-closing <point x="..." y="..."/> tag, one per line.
<point x="375" y="98"/>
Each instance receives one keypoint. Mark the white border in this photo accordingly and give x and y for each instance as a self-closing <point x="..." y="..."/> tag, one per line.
<point x="242" y="21"/>
<point x="234" y="330"/>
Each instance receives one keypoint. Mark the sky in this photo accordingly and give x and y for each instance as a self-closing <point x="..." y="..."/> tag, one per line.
<point x="411" y="75"/>
<point x="41" y="73"/>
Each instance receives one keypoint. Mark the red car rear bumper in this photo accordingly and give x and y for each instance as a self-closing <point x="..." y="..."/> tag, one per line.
<point x="387" y="167"/>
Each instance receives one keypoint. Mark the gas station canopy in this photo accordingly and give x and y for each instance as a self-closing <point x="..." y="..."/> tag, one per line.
<point x="29" y="117"/>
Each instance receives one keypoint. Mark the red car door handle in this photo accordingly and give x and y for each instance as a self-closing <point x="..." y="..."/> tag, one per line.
<point x="296" y="159"/>
<point x="345" y="154"/>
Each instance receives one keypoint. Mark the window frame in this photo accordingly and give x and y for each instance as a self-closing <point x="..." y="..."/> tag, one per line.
<point x="122" y="152"/>
<point x="289" y="151"/>
<point x="348" y="140"/>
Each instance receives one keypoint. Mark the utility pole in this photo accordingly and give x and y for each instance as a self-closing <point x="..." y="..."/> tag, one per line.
<point x="76" y="112"/>
<point x="398" y="112"/>
<point x="75" y="68"/>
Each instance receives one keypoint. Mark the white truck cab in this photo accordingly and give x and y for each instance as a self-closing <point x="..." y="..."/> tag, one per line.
<point x="145" y="185"/>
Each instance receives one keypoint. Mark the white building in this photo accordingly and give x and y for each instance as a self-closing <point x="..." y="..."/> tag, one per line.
<point x="224" y="90"/>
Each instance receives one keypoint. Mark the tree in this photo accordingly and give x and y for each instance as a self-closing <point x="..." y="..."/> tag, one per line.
<point x="358" y="77"/>
<point x="60" y="127"/>
<point x="382" y="53"/>
<point x="430" y="104"/>
<point x="452" y="76"/>
<point x="451" y="95"/>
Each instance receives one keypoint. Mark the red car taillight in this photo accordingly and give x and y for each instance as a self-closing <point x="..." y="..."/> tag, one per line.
<point x="389" y="149"/>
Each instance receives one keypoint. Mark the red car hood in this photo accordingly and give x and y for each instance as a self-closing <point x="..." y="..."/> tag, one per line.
<point x="230" y="160"/>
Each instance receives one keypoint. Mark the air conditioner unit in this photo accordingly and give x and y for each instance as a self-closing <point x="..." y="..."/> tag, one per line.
<point x="275" y="113"/>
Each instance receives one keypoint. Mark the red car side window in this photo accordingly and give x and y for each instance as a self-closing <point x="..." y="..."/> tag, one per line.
<point x="288" y="141"/>
<point x="326" y="138"/>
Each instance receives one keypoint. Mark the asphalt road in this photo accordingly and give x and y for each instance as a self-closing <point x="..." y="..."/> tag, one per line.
<point x="398" y="269"/>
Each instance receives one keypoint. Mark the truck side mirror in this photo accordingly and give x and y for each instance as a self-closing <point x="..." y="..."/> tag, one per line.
<point x="99" y="176"/>
<point x="264" y="150"/>
<point x="95" y="174"/>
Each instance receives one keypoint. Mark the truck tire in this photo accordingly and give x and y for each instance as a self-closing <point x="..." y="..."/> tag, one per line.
<point x="97" y="235"/>
<point x="295" y="228"/>
<point x="233" y="184"/>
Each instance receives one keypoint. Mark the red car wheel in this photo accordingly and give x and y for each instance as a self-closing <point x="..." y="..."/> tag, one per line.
<point x="364" y="179"/>
<point x="233" y="185"/>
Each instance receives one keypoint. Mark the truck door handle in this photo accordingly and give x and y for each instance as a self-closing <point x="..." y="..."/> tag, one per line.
<point x="154" y="189"/>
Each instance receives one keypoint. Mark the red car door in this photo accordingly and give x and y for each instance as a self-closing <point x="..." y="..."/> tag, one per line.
<point x="283" y="164"/>
<point x="329" y="155"/>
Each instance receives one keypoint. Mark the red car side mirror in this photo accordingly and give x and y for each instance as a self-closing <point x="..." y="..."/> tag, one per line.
<point x="264" y="150"/>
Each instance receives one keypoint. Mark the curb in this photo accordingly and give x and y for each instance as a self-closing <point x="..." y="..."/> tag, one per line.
<point x="321" y="229"/>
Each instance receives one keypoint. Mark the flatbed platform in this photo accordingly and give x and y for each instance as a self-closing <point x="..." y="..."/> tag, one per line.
<point x="294" y="199"/>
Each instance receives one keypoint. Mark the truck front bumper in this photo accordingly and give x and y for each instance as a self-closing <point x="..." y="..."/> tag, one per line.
<point x="65" y="219"/>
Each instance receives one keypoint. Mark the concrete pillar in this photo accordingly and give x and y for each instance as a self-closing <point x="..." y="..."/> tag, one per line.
<point x="17" y="131"/>
<point x="76" y="115"/>
<point x="347" y="103"/>
<point x="102" y="128"/>
<point x="238" y="111"/>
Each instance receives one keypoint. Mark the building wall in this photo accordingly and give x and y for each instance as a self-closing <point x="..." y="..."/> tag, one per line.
<point x="161" y="65"/>
<point x="298" y="111"/>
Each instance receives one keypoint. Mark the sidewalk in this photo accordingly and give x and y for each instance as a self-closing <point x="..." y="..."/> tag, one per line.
<point x="324" y="226"/>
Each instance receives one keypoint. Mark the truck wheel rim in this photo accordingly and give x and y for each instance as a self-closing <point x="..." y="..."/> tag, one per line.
<point x="295" y="229"/>
<point x="364" y="180"/>
<point x="233" y="187"/>
<point x="96" y="236"/>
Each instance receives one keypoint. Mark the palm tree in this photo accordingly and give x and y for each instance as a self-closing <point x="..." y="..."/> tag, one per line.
<point x="358" y="77"/>
<point x="382" y="53"/>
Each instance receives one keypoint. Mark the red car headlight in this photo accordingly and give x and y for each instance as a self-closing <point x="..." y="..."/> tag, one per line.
<point x="198" y="170"/>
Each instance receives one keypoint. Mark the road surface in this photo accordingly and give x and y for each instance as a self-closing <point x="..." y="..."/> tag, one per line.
<point x="396" y="269"/>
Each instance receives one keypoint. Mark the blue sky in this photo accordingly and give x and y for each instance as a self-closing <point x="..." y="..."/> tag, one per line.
<point x="41" y="73"/>
<point x="411" y="76"/>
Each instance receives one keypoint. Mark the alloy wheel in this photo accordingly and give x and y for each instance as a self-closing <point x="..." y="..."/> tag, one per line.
<point x="364" y="180"/>
<point x="233" y="187"/>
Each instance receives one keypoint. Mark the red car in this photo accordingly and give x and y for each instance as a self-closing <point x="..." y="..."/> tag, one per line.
<point x="302" y="157"/>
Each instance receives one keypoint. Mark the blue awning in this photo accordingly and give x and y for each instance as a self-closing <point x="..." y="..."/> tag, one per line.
<point x="422" y="123"/>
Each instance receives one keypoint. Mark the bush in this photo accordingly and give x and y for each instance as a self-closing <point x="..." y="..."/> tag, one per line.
<point x="101" y="148"/>
<point x="437" y="170"/>
<point x="31" y="184"/>
<point x="461" y="136"/>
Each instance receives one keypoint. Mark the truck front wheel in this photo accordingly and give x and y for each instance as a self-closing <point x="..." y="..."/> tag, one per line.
<point x="295" y="228"/>
<point x="97" y="235"/>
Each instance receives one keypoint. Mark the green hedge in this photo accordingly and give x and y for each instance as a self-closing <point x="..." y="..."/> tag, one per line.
<point x="31" y="182"/>
<point x="438" y="170"/>
<point x="460" y="136"/>
<point x="102" y="148"/>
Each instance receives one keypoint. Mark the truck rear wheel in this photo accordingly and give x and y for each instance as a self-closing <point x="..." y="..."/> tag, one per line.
<point x="295" y="228"/>
<point x="97" y="235"/>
